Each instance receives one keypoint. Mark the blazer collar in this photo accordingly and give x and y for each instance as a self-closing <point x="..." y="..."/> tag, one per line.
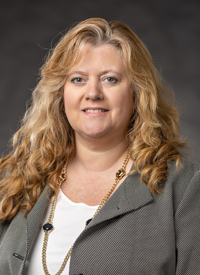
<point x="131" y="195"/>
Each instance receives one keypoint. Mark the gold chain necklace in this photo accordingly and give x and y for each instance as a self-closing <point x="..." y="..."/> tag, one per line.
<point x="48" y="227"/>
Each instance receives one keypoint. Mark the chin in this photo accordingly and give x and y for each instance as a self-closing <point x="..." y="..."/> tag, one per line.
<point x="94" y="130"/>
<point x="93" y="133"/>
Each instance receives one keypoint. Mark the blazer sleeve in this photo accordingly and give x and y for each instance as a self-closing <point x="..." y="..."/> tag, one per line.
<point x="187" y="228"/>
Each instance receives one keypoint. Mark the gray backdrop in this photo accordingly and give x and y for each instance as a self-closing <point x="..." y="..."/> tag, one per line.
<point x="170" y="30"/>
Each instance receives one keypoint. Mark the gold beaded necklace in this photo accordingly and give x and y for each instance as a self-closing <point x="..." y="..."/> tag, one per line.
<point x="48" y="227"/>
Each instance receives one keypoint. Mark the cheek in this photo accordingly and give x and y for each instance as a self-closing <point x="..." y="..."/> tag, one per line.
<point x="68" y="100"/>
<point x="68" y="105"/>
<point x="124" y="108"/>
<point x="127" y="102"/>
<point x="68" y="110"/>
<point x="128" y="107"/>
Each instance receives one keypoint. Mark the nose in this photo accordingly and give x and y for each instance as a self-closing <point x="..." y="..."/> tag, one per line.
<point x="94" y="90"/>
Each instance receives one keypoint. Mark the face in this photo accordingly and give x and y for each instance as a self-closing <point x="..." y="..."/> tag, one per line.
<point x="97" y="94"/>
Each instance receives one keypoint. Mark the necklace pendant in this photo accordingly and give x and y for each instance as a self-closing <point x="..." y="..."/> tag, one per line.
<point x="120" y="173"/>
<point x="62" y="176"/>
<point x="48" y="227"/>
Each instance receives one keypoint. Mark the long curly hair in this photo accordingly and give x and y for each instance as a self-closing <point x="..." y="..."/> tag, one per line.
<point x="45" y="140"/>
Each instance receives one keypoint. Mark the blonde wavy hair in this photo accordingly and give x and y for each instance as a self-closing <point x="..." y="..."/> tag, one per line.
<point x="45" y="140"/>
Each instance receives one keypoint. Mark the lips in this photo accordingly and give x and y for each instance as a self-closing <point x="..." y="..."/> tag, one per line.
<point x="94" y="110"/>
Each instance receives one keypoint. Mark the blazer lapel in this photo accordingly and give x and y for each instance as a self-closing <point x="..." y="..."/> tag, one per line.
<point x="35" y="216"/>
<point x="131" y="195"/>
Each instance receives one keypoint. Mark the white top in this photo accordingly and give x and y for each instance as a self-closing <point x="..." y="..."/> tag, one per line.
<point x="69" y="221"/>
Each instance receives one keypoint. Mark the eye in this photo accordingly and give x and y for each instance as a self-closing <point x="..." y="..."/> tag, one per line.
<point x="111" y="80"/>
<point x="77" y="80"/>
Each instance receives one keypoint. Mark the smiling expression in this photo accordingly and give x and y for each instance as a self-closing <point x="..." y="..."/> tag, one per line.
<point x="97" y="94"/>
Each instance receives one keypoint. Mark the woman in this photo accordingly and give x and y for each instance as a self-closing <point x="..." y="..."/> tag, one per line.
<point x="99" y="108"/>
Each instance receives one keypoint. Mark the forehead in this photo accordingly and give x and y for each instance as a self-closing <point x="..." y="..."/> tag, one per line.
<point x="106" y="47"/>
<point x="102" y="55"/>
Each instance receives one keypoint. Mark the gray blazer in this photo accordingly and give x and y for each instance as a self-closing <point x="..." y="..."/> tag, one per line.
<point x="135" y="233"/>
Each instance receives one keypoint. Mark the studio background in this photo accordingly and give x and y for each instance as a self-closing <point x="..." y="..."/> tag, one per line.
<point x="169" y="29"/>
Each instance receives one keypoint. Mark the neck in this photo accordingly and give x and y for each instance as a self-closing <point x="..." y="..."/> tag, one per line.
<point x="98" y="159"/>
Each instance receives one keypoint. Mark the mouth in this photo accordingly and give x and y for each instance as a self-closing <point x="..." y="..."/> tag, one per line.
<point x="95" y="110"/>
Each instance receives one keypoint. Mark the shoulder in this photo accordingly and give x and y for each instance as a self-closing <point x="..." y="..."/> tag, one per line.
<point x="183" y="180"/>
<point x="186" y="169"/>
<point x="182" y="173"/>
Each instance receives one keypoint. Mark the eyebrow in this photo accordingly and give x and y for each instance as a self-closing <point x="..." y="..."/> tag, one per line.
<point x="76" y="72"/>
<point x="101" y="73"/>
